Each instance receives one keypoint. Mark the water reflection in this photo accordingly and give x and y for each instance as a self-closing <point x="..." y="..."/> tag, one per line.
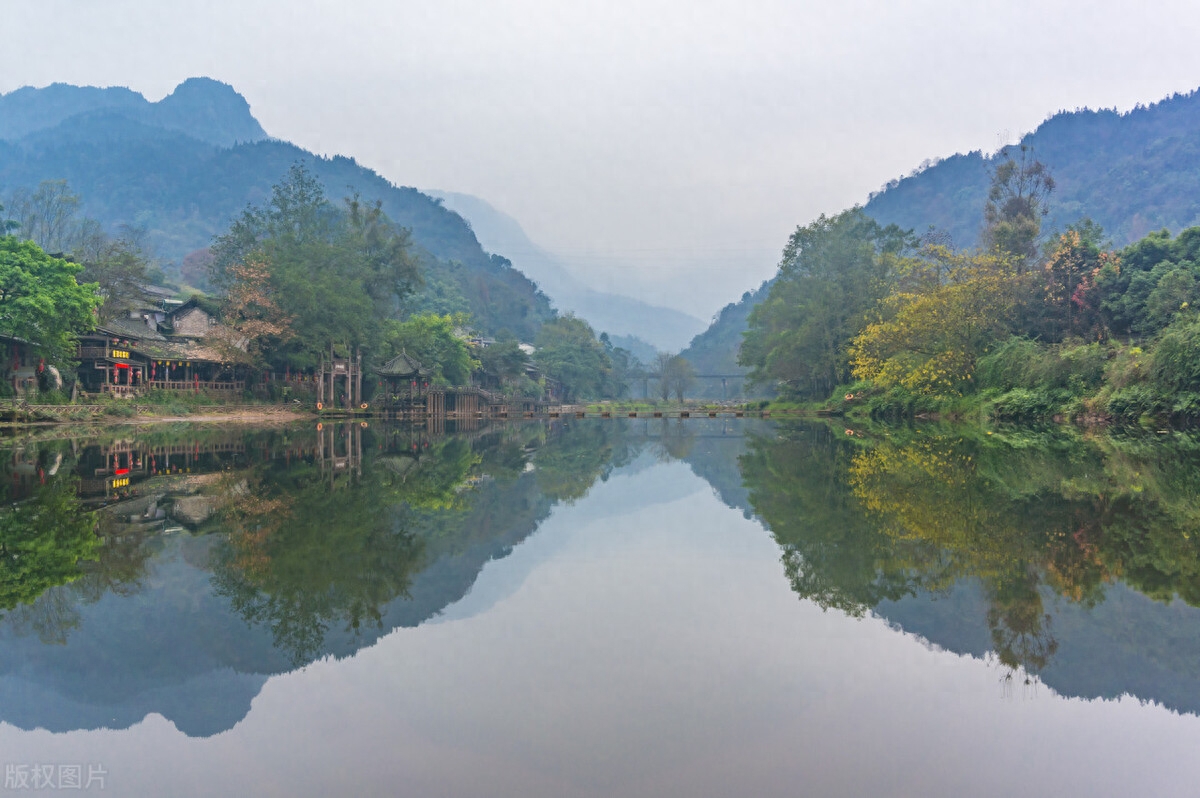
<point x="175" y="570"/>
<point x="934" y="525"/>
<point x="160" y="560"/>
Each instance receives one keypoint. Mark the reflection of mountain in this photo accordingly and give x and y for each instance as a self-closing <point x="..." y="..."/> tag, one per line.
<point x="172" y="644"/>
<point x="960" y="531"/>
<point x="1126" y="645"/>
<point x="1040" y="548"/>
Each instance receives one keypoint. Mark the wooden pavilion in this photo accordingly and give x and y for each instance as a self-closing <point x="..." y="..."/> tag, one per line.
<point x="403" y="381"/>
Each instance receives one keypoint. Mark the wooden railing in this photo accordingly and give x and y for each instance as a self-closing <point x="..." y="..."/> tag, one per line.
<point x="192" y="385"/>
<point x="93" y="353"/>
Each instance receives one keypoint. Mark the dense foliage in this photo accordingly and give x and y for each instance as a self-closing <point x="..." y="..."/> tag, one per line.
<point x="41" y="300"/>
<point x="1028" y="327"/>
<point x="569" y="352"/>
<point x="833" y="273"/>
<point x="433" y="340"/>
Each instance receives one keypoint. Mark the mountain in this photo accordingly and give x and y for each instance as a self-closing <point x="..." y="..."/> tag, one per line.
<point x="184" y="167"/>
<point x="202" y="108"/>
<point x="1132" y="173"/>
<point x="665" y="328"/>
<point x="715" y="350"/>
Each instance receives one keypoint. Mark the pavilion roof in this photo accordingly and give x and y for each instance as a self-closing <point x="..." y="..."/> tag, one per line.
<point x="402" y="365"/>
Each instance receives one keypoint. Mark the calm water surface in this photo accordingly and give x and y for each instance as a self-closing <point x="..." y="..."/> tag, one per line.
<point x="601" y="608"/>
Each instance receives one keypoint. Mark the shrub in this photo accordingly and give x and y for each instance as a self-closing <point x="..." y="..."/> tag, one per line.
<point x="1176" y="362"/>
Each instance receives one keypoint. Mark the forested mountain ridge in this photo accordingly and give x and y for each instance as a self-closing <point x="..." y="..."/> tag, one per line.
<point x="131" y="165"/>
<point x="1132" y="173"/>
<point x="715" y="351"/>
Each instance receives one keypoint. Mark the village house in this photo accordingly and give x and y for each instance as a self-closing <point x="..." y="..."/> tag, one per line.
<point x="156" y="349"/>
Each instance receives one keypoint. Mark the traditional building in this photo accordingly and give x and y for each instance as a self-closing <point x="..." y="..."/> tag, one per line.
<point x="22" y="367"/>
<point x="125" y="357"/>
<point x="403" y="382"/>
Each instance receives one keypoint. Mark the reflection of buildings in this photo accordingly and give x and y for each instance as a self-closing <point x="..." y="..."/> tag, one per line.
<point x="126" y="470"/>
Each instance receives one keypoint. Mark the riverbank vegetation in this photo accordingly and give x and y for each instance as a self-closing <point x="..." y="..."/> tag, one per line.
<point x="865" y="318"/>
<point x="296" y="279"/>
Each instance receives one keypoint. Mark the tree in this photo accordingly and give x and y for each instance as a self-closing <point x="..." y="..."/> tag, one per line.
<point x="48" y="215"/>
<point x="505" y="360"/>
<point x="1069" y="303"/>
<point x="339" y="274"/>
<point x="7" y="225"/>
<point x="434" y="341"/>
<point x="1016" y="203"/>
<point x="946" y="312"/>
<point x="662" y="370"/>
<point x="679" y="376"/>
<point x="254" y="324"/>
<point x="832" y="274"/>
<point x="623" y="364"/>
<point x="40" y="299"/>
<point x="118" y="266"/>
<point x="568" y="351"/>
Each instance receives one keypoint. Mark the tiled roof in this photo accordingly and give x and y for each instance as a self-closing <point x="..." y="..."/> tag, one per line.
<point x="402" y="365"/>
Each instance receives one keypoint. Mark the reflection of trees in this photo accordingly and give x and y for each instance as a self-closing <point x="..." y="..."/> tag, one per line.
<point x="301" y="555"/>
<point x="43" y="540"/>
<point x="833" y="553"/>
<point x="575" y="457"/>
<point x="1020" y="627"/>
<point x="1021" y="512"/>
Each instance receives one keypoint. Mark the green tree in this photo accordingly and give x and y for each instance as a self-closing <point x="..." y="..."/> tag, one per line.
<point x="832" y="274"/>
<point x="7" y="225"/>
<point x="435" y="342"/>
<point x="504" y="360"/>
<point x="568" y="351"/>
<point x="40" y="299"/>
<point x="338" y="274"/>
<point x="623" y="364"/>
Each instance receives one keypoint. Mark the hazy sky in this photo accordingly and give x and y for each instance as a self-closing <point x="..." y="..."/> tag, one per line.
<point x="667" y="148"/>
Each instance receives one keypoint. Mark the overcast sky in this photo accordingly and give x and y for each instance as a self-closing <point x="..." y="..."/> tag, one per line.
<point x="667" y="148"/>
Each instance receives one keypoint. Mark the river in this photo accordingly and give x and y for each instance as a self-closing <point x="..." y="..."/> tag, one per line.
<point x="600" y="607"/>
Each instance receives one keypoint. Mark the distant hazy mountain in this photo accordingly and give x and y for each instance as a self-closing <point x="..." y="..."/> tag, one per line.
<point x="202" y="108"/>
<point x="185" y="166"/>
<point x="1132" y="173"/>
<point x="665" y="328"/>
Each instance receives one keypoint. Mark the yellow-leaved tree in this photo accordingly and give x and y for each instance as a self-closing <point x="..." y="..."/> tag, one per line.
<point x="945" y="310"/>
